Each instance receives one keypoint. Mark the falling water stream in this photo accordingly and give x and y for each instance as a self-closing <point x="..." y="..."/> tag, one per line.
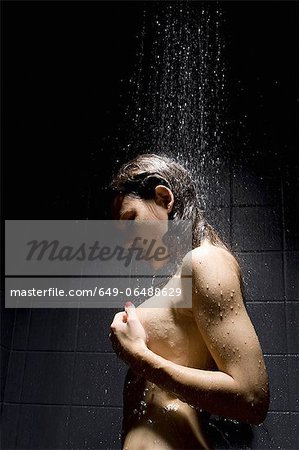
<point x="178" y="89"/>
<point x="177" y="108"/>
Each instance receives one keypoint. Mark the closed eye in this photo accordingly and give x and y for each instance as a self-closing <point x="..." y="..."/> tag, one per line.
<point x="128" y="215"/>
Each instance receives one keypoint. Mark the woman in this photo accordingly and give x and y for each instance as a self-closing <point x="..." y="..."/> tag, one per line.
<point x="185" y="363"/>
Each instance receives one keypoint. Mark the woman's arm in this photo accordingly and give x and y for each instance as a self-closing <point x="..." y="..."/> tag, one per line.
<point x="239" y="389"/>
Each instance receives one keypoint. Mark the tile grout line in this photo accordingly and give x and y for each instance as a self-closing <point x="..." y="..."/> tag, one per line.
<point x="23" y="378"/>
<point x="64" y="351"/>
<point x="58" y="405"/>
<point x="284" y="279"/>
<point x="73" y="377"/>
<point x="230" y="196"/>
<point x="9" y="349"/>
<point x="106" y="353"/>
<point x="63" y="405"/>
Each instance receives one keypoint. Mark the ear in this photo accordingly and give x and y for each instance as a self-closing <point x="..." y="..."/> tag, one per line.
<point x="164" y="197"/>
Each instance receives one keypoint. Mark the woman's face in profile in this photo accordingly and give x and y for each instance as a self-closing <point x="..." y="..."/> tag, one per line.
<point x="150" y="218"/>
<point x="130" y="208"/>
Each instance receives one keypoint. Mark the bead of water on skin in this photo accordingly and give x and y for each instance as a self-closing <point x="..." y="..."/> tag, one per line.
<point x="207" y="286"/>
<point x="231" y="307"/>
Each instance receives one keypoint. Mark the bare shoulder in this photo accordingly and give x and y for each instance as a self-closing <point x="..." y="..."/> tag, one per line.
<point x="215" y="273"/>
<point x="209" y="257"/>
<point x="209" y="260"/>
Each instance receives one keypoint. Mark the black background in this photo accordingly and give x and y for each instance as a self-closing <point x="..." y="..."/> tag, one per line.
<point x="65" y="87"/>
<point x="65" y="73"/>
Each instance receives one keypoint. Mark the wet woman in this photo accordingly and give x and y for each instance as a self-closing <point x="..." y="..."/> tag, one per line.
<point x="185" y="362"/>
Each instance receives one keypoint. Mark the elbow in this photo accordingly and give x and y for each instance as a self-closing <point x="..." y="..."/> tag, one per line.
<point x="260" y="410"/>
<point x="257" y="405"/>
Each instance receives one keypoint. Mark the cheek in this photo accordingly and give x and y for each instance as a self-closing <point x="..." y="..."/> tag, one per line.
<point x="156" y="212"/>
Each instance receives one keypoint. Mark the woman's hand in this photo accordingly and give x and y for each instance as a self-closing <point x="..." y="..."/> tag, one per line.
<point x="127" y="336"/>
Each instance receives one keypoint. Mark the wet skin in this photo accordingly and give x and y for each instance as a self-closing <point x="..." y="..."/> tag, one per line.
<point x="205" y="356"/>
<point x="155" y="417"/>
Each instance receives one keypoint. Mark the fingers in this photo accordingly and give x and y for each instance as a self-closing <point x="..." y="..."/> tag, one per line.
<point x="119" y="319"/>
<point x="130" y="310"/>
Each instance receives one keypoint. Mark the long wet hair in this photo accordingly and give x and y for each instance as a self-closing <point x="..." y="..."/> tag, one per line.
<point x="139" y="177"/>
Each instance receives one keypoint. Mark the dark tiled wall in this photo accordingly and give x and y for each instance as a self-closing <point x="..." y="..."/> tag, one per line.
<point x="62" y="383"/>
<point x="260" y="223"/>
<point x="7" y="323"/>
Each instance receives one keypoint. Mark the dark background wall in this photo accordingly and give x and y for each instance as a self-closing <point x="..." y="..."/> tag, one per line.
<point x="65" y="74"/>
